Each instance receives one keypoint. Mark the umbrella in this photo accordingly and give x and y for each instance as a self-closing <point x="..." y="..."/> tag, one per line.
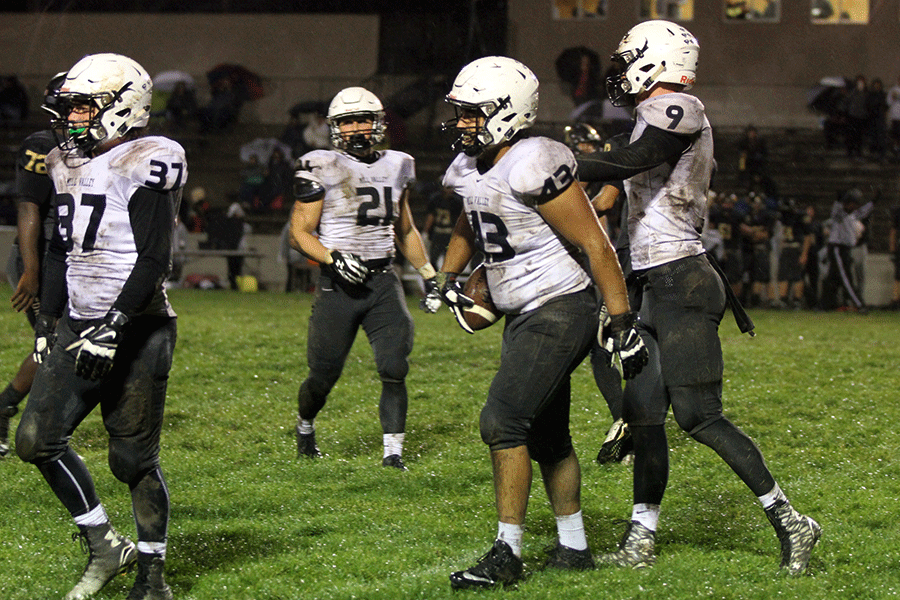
<point x="246" y="83"/>
<point x="824" y="95"/>
<point x="166" y="80"/>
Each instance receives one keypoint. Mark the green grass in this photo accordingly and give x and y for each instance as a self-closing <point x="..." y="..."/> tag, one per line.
<point x="818" y="392"/>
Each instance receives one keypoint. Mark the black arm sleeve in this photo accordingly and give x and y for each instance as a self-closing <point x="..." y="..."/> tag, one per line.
<point x="54" y="292"/>
<point x="655" y="147"/>
<point x="152" y="215"/>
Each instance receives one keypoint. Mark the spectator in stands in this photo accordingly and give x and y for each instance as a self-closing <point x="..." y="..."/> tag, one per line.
<point x="252" y="176"/>
<point x="181" y="107"/>
<point x="292" y="136"/>
<point x="878" y="108"/>
<point x="893" y="100"/>
<point x="844" y="231"/>
<point x="13" y="100"/>
<point x="858" y="117"/>
<point x="317" y="134"/>
<point x="276" y="185"/>
<point x="196" y="222"/>
<point x="223" y="108"/>
<point x="753" y="162"/>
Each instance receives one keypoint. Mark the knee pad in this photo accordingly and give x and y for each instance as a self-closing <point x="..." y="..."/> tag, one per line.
<point x="27" y="442"/>
<point x="500" y="431"/>
<point x="695" y="407"/>
<point x="546" y="452"/>
<point x="393" y="370"/>
<point x="128" y="462"/>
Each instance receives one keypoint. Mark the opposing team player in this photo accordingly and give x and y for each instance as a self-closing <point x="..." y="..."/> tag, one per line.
<point x="667" y="168"/>
<point x="116" y="201"/>
<point x="34" y="199"/>
<point x="544" y="249"/>
<point x="356" y="198"/>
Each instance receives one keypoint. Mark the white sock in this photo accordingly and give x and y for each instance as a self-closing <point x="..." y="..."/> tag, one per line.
<point x="773" y="497"/>
<point x="93" y="518"/>
<point x="512" y="535"/>
<point x="571" y="531"/>
<point x="646" y="514"/>
<point x="393" y="444"/>
<point x="305" y="427"/>
<point x="158" y="548"/>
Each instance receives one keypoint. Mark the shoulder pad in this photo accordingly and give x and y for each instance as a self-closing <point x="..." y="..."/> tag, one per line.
<point x="308" y="187"/>
<point x="33" y="152"/>
<point x="154" y="162"/>
<point x="315" y="160"/>
<point x="679" y="113"/>
<point x="543" y="169"/>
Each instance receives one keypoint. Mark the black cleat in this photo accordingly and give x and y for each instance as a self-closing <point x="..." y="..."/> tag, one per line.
<point x="395" y="461"/>
<point x="6" y="413"/>
<point x="108" y="555"/>
<point x="798" y="535"/>
<point x="563" y="557"/>
<point x="306" y="445"/>
<point x="150" y="583"/>
<point x="498" y="567"/>
<point x="617" y="445"/>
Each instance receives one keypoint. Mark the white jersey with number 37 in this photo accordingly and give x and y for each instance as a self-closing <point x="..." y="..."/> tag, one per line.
<point x="93" y="218"/>
<point x="667" y="204"/>
<point x="527" y="262"/>
<point x="361" y="199"/>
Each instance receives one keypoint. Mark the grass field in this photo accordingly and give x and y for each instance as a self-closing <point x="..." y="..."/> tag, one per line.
<point x="818" y="392"/>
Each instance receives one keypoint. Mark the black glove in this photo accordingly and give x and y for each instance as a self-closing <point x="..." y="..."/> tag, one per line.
<point x="452" y="294"/>
<point x="627" y="343"/>
<point x="349" y="267"/>
<point x="44" y="337"/>
<point x="432" y="300"/>
<point x="97" y="346"/>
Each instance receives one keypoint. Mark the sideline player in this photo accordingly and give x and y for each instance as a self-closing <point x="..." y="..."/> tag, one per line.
<point x="34" y="199"/>
<point x="116" y="201"/>
<point x="357" y="199"/>
<point x="543" y="246"/>
<point x="667" y="167"/>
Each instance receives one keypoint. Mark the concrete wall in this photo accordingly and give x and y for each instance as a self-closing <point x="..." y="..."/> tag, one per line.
<point x="272" y="274"/>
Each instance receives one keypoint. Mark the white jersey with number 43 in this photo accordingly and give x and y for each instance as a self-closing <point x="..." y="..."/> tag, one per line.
<point x="667" y="204"/>
<point x="361" y="199"/>
<point x="93" y="219"/>
<point x="527" y="262"/>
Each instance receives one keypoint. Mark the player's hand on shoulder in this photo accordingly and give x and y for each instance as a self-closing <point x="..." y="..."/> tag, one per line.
<point x="349" y="267"/>
<point x="456" y="300"/>
<point x="96" y="347"/>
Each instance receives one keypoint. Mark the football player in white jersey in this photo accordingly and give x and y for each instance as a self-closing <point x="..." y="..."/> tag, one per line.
<point x="116" y="199"/>
<point x="667" y="167"/>
<point x="544" y="251"/>
<point x="352" y="206"/>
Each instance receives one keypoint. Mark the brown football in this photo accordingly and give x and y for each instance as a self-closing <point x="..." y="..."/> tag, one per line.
<point x="484" y="313"/>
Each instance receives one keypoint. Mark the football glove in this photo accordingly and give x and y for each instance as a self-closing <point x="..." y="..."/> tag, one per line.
<point x="452" y="294"/>
<point x="44" y="337"/>
<point x="627" y="343"/>
<point x="349" y="267"/>
<point x="432" y="300"/>
<point x="97" y="346"/>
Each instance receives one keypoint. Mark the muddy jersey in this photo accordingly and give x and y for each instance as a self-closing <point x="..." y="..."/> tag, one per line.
<point x="668" y="203"/>
<point x="527" y="262"/>
<point x="92" y="205"/>
<point x="361" y="201"/>
<point x="32" y="182"/>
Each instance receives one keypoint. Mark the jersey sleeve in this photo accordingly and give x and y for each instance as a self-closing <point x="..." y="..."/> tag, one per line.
<point x="546" y="169"/>
<point x="32" y="181"/>
<point x="677" y="113"/>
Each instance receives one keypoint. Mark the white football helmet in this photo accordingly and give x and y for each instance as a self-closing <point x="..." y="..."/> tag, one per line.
<point x="116" y="86"/>
<point x="650" y="53"/>
<point x="356" y="101"/>
<point x="503" y="90"/>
